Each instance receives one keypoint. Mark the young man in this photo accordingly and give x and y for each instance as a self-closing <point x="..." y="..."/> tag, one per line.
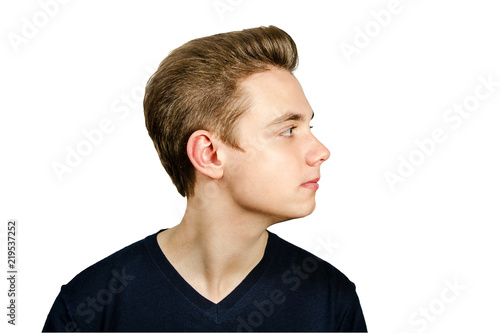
<point x="230" y="123"/>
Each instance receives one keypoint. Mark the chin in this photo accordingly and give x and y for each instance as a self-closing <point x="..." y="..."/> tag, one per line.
<point x="303" y="210"/>
<point x="292" y="214"/>
<point x="283" y="209"/>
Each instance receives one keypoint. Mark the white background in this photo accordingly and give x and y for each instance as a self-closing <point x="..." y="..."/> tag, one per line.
<point x="399" y="247"/>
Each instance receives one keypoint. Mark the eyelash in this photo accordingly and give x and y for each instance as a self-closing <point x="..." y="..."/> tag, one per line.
<point x="291" y="129"/>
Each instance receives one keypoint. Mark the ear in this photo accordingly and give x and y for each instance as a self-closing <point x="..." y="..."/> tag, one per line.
<point x="202" y="151"/>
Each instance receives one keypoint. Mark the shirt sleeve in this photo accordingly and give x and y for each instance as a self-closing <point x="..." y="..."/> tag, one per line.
<point x="59" y="318"/>
<point x="354" y="320"/>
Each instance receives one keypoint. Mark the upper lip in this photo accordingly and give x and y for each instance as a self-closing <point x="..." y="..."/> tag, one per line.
<point x="315" y="180"/>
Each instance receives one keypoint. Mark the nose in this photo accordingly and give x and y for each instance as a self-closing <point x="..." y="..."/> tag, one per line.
<point x="317" y="153"/>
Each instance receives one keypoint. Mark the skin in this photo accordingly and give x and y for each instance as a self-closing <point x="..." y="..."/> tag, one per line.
<point x="239" y="194"/>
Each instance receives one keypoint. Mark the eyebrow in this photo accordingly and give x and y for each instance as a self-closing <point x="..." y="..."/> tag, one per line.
<point x="289" y="116"/>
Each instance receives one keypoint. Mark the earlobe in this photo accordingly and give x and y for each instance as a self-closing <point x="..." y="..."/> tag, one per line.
<point x="202" y="151"/>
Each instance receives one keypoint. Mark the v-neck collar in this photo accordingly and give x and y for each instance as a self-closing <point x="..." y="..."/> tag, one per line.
<point x="216" y="311"/>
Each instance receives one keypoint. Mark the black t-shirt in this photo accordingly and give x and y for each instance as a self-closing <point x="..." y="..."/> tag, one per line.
<point x="137" y="289"/>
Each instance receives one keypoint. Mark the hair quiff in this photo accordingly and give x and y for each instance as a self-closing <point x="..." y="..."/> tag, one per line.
<point x="197" y="87"/>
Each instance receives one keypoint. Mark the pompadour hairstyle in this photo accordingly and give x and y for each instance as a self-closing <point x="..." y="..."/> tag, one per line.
<point x="197" y="86"/>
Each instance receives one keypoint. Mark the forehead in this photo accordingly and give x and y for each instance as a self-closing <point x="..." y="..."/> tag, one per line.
<point x="274" y="93"/>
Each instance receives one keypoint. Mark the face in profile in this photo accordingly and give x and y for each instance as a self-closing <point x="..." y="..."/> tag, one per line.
<point x="277" y="173"/>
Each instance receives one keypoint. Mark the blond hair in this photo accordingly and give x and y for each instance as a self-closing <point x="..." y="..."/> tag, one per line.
<point x="197" y="86"/>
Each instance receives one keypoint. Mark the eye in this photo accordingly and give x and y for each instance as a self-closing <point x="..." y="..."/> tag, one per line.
<point x="288" y="131"/>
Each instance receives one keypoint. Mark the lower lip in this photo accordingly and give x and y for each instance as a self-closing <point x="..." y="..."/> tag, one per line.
<point x="312" y="186"/>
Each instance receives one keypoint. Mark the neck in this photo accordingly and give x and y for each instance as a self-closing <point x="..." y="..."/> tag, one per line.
<point x="214" y="248"/>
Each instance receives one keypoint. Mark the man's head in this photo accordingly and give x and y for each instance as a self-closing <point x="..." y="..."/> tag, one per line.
<point x="198" y="87"/>
<point x="231" y="125"/>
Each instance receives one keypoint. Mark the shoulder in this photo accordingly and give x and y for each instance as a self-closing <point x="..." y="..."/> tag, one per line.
<point x="111" y="272"/>
<point x="317" y="292"/>
<point x="112" y="281"/>
<point x="296" y="262"/>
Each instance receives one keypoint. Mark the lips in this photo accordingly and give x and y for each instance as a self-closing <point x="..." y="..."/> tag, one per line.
<point x="312" y="184"/>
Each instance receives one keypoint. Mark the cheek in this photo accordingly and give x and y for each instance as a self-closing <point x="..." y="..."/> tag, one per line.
<point x="269" y="182"/>
<point x="270" y="169"/>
